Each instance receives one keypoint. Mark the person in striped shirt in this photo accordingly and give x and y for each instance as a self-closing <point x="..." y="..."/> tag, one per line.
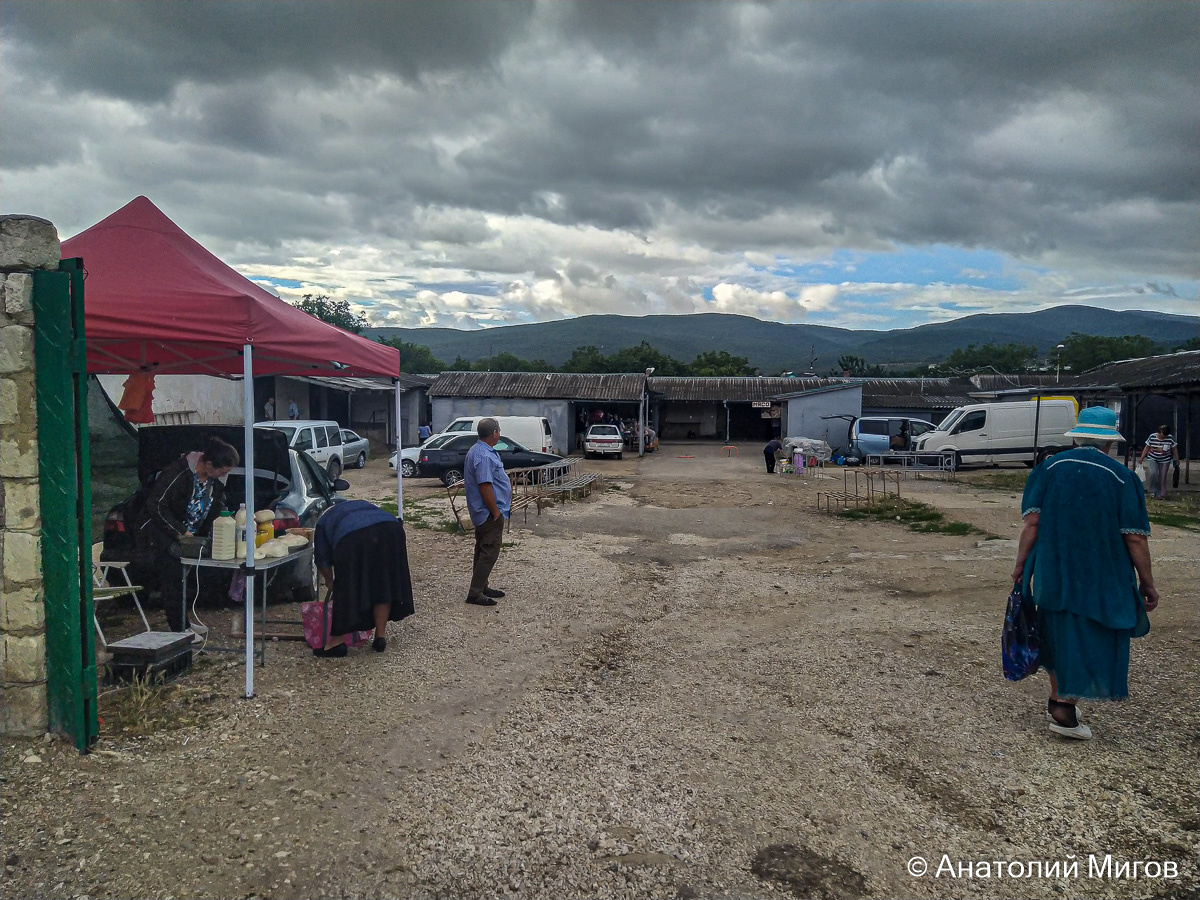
<point x="1158" y="454"/>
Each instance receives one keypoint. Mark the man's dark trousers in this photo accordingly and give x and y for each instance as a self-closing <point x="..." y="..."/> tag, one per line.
<point x="769" y="455"/>
<point x="488" y="538"/>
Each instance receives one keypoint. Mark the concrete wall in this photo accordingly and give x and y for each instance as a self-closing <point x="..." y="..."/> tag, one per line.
<point x="26" y="244"/>
<point x="447" y="409"/>
<point x="190" y="399"/>
<point x="803" y="415"/>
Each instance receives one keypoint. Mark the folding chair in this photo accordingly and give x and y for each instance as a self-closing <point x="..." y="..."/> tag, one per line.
<point x="102" y="591"/>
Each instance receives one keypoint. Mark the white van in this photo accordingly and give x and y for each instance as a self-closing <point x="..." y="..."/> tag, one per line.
<point x="532" y="432"/>
<point x="320" y="439"/>
<point x="984" y="433"/>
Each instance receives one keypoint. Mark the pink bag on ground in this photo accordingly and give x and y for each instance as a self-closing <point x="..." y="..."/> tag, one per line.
<point x="316" y="625"/>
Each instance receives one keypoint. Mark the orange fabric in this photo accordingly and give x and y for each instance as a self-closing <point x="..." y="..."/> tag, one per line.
<point x="137" y="400"/>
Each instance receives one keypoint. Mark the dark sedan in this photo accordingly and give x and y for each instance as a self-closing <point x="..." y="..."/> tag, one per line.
<point x="446" y="461"/>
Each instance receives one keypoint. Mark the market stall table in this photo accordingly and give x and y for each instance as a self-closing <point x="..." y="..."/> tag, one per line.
<point x="269" y="567"/>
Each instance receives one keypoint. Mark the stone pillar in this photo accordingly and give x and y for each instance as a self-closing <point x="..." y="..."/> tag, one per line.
<point x="26" y="244"/>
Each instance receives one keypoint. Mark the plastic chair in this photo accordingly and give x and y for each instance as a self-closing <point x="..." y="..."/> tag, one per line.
<point x="101" y="590"/>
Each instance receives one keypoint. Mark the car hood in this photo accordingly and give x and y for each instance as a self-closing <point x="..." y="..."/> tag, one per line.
<point x="159" y="445"/>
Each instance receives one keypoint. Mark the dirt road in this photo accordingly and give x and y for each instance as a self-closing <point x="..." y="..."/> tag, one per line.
<point x="698" y="686"/>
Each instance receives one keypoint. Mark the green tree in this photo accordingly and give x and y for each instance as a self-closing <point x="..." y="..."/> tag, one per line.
<point x="460" y="364"/>
<point x="642" y="357"/>
<point x="1007" y="358"/>
<point x="721" y="363"/>
<point x="586" y="360"/>
<point x="509" y="362"/>
<point x="1086" y="351"/>
<point x="415" y="357"/>
<point x="335" y="312"/>
<point x="856" y="367"/>
<point x="1192" y="343"/>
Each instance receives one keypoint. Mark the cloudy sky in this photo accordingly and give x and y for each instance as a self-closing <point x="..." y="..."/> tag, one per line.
<point x="870" y="165"/>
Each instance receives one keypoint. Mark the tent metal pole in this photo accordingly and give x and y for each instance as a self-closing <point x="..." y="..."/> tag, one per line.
<point x="248" y="467"/>
<point x="1187" y="424"/>
<point x="399" y="461"/>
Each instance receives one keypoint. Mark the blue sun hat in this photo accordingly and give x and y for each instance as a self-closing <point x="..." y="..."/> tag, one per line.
<point x="1096" y="422"/>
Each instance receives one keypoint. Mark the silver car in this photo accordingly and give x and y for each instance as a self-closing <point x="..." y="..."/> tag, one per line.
<point x="355" y="449"/>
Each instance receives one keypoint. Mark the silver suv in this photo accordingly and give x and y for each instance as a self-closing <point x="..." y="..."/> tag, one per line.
<point x="883" y="434"/>
<point x="319" y="438"/>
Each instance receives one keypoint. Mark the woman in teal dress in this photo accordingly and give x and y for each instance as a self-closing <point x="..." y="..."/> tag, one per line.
<point x="1085" y="547"/>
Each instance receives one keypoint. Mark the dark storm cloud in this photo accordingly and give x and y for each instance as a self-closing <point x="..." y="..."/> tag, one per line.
<point x="455" y="134"/>
<point x="143" y="50"/>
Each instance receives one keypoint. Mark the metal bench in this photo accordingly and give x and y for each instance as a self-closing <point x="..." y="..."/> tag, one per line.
<point x="533" y="487"/>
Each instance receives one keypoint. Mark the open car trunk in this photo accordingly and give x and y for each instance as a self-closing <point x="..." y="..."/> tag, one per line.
<point x="159" y="445"/>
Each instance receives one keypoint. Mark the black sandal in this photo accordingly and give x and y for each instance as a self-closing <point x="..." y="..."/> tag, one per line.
<point x="331" y="652"/>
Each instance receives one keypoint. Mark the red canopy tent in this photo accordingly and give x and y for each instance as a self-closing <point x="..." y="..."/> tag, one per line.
<point x="156" y="301"/>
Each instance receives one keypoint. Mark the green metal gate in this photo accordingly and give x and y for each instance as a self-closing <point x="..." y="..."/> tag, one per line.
<point x="66" y="487"/>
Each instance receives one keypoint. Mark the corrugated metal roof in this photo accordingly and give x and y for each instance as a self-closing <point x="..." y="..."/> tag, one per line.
<point x="735" y="390"/>
<point x="346" y="384"/>
<point x="407" y="382"/>
<point x="992" y="382"/>
<point x="819" y="389"/>
<point x="1174" y="370"/>
<point x="915" y="393"/>
<point x="539" y="386"/>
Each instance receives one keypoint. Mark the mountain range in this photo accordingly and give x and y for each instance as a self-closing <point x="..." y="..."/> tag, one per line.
<point x="775" y="347"/>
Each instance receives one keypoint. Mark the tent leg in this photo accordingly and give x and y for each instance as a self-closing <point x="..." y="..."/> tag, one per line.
<point x="248" y="467"/>
<point x="399" y="461"/>
<point x="1187" y="424"/>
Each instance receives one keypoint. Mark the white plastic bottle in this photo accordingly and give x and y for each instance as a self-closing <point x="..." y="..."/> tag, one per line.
<point x="224" y="537"/>
<point x="240" y="521"/>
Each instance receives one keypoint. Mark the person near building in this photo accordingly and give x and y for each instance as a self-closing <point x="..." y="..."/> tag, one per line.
<point x="489" y="500"/>
<point x="1160" y="452"/>
<point x="1084" y="545"/>
<point x="182" y="502"/>
<point x="362" y="555"/>
<point x="269" y="409"/>
<point x="424" y="432"/>
<point x="771" y="452"/>
<point x="293" y="410"/>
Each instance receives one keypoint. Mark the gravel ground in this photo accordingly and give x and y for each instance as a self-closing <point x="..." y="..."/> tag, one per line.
<point x="698" y="686"/>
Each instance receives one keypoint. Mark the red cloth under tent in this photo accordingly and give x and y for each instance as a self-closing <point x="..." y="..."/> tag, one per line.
<point x="157" y="301"/>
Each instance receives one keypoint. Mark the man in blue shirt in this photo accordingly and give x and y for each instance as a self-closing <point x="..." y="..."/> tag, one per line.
<point x="423" y="433"/>
<point x="489" y="500"/>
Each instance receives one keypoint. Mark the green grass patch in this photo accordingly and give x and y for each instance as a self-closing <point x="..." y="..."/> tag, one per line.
<point x="427" y="515"/>
<point x="1180" y="512"/>
<point x="1007" y="480"/>
<point x="917" y="516"/>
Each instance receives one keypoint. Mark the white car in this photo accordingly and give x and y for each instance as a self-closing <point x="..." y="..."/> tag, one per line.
<point x="409" y="455"/>
<point x="603" y="440"/>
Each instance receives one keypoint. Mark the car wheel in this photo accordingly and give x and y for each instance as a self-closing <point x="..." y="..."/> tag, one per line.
<point x="620" y="455"/>
<point x="335" y="469"/>
<point x="361" y="463"/>
<point x="408" y="468"/>
<point x="452" y="477"/>
<point x="957" y="461"/>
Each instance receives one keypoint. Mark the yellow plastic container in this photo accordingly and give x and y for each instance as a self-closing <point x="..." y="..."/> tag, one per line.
<point x="264" y="533"/>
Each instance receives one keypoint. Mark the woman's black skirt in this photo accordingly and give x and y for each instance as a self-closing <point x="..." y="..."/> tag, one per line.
<point x="370" y="567"/>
